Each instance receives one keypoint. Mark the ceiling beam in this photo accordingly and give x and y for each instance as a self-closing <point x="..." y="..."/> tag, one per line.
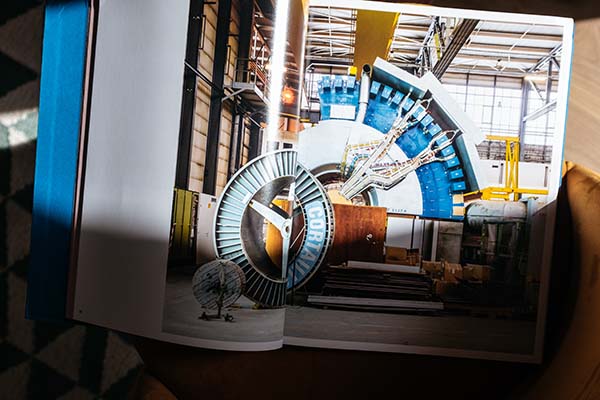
<point x="487" y="48"/>
<point x="547" y="58"/>
<point x="457" y="41"/>
<point x="486" y="33"/>
<point x="500" y="59"/>
<point x="422" y="57"/>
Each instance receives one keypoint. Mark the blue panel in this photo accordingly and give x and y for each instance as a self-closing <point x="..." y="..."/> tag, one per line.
<point x="442" y="140"/>
<point x="325" y="84"/>
<point x="456" y="174"/>
<point x="381" y="113"/>
<point x="351" y="84"/>
<point x="428" y="119"/>
<point x="344" y="93"/>
<point x="453" y="162"/>
<point x="61" y="96"/>
<point x="338" y="84"/>
<point x="413" y="141"/>
<point x="434" y="129"/>
<point x="458" y="186"/>
<point x="419" y="112"/>
<point x="447" y="151"/>
<point x="375" y="88"/>
<point x="444" y="190"/>
<point x="386" y="93"/>
<point x="397" y="99"/>
<point x="435" y="179"/>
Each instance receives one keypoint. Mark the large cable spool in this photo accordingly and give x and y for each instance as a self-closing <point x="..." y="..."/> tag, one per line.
<point x="218" y="284"/>
<point x="319" y="227"/>
<point x="246" y="208"/>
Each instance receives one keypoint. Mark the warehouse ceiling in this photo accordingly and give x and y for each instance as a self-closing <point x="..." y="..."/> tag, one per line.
<point x="492" y="48"/>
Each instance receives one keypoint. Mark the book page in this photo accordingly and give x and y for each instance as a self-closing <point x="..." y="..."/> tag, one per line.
<point x="432" y="144"/>
<point x="177" y="207"/>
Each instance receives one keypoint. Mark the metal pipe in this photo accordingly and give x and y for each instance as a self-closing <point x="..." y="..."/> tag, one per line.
<point x="343" y="64"/>
<point x="365" y="88"/>
<point x="481" y="211"/>
<point x="540" y="111"/>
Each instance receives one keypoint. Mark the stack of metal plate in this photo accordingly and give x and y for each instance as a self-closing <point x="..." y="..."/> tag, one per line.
<point x="362" y="283"/>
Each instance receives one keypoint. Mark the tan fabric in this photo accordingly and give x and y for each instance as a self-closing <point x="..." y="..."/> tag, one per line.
<point x="150" y="388"/>
<point x="574" y="371"/>
<point x="571" y="369"/>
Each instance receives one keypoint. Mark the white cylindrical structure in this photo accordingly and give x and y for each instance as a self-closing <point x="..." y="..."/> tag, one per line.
<point x="482" y="211"/>
<point x="365" y="88"/>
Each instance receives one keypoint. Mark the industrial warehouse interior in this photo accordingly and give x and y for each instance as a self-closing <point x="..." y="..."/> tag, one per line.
<point x="434" y="242"/>
<point x="504" y="76"/>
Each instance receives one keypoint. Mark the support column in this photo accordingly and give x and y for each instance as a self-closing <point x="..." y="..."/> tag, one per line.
<point x="523" y="124"/>
<point x="233" y="149"/>
<point x="236" y="142"/>
<point x="244" y="43"/>
<point x="548" y="97"/>
<point x="216" y="105"/>
<point x="255" y="141"/>
<point x="241" y="133"/>
<point x="188" y="101"/>
<point x="245" y="37"/>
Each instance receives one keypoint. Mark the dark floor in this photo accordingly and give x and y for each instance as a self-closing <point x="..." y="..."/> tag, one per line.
<point x="468" y="333"/>
<point x="181" y="314"/>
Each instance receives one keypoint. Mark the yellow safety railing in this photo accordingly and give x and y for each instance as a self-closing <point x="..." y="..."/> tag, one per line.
<point x="511" y="190"/>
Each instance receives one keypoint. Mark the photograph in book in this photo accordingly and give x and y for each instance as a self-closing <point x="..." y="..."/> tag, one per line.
<point x="436" y="138"/>
<point x="374" y="176"/>
<point x="212" y="290"/>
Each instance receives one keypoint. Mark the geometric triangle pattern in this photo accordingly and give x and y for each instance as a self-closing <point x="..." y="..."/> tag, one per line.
<point x="42" y="360"/>
<point x="13" y="8"/>
<point x="16" y="74"/>
<point x="50" y="383"/>
<point x="63" y="354"/>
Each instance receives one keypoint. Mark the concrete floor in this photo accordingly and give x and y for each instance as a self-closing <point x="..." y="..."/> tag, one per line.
<point x="465" y="333"/>
<point x="181" y="312"/>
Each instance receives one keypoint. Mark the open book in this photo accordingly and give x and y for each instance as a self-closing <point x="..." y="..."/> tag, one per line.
<point x="242" y="175"/>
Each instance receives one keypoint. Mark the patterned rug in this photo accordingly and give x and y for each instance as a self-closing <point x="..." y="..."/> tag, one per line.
<point x="39" y="360"/>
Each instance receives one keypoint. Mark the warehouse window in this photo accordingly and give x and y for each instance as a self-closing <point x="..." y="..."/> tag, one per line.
<point x="459" y="92"/>
<point x="480" y="107"/>
<point x="495" y="110"/>
<point x="507" y="111"/>
<point x="539" y="131"/>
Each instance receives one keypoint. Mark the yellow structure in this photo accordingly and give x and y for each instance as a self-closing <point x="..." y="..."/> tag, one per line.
<point x="511" y="190"/>
<point x="183" y="222"/>
<point x="373" y="38"/>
